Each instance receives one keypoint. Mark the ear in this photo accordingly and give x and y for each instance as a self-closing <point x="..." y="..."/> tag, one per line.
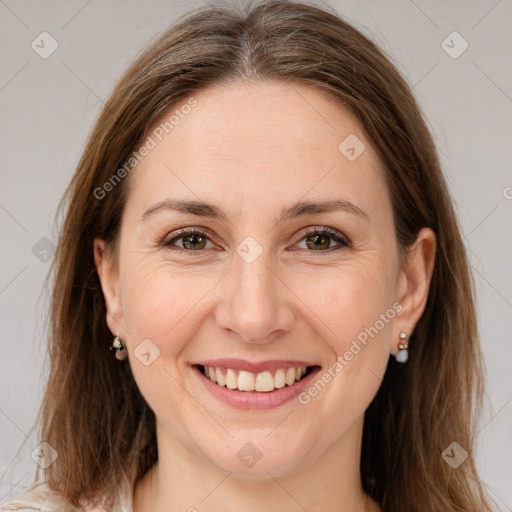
<point x="110" y="286"/>
<point x="414" y="283"/>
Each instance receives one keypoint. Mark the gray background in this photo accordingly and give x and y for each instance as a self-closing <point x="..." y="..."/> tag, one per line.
<point x="49" y="105"/>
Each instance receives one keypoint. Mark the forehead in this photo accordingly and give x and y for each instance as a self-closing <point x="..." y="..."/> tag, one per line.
<point x="258" y="142"/>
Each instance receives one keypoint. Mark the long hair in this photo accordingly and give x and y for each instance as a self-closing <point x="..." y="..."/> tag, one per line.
<point x="92" y="412"/>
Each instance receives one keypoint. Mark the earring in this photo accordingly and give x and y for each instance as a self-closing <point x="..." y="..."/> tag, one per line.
<point x="403" y="346"/>
<point x="121" y="352"/>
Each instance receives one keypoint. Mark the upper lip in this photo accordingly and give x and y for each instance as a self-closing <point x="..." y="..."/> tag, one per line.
<point x="254" y="367"/>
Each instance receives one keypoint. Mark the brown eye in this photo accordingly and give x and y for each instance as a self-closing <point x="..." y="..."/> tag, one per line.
<point x="317" y="240"/>
<point x="320" y="240"/>
<point x="192" y="240"/>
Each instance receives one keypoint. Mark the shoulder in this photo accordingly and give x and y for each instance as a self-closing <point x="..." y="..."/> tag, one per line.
<point x="41" y="498"/>
<point x="38" y="498"/>
<point x="34" y="498"/>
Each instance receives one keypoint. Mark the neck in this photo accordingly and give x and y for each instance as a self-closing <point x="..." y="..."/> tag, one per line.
<point x="182" y="480"/>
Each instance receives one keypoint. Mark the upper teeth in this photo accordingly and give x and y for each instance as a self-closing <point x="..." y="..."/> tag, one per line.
<point x="248" y="381"/>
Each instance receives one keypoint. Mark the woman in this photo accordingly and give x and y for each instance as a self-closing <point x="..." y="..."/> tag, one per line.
<point x="258" y="221"/>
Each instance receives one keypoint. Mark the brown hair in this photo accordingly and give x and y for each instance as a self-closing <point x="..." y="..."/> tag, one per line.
<point x="93" y="413"/>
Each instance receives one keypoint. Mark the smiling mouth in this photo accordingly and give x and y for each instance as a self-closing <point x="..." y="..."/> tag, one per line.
<point x="263" y="382"/>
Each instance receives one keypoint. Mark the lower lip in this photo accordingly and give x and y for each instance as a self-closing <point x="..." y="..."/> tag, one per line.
<point x="248" y="400"/>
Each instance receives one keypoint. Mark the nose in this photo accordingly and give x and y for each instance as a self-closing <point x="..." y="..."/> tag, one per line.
<point x="256" y="303"/>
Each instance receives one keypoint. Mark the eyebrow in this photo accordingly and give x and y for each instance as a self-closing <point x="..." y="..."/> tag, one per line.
<point x="299" y="209"/>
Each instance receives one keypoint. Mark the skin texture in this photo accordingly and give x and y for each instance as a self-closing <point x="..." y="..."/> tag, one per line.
<point x="253" y="149"/>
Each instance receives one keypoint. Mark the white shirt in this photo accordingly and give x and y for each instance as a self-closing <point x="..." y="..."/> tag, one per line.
<point x="41" y="499"/>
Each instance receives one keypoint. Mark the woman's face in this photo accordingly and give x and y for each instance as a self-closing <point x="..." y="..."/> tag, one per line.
<point x="256" y="286"/>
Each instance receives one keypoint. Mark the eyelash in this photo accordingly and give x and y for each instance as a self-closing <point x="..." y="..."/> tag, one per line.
<point x="335" y="235"/>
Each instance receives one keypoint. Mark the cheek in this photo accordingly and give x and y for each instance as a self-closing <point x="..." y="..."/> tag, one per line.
<point x="356" y="308"/>
<point x="351" y="298"/>
<point x="163" y="304"/>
